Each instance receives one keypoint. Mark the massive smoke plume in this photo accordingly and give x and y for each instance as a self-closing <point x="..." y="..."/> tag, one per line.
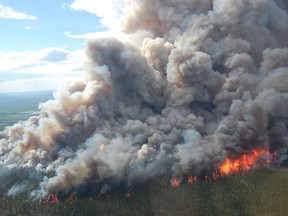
<point x="209" y="79"/>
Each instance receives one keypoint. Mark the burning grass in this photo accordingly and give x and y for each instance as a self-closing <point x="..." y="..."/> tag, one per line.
<point x="245" y="162"/>
<point x="260" y="193"/>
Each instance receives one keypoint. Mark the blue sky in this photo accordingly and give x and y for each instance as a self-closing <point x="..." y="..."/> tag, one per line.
<point x="42" y="41"/>
<point x="53" y="19"/>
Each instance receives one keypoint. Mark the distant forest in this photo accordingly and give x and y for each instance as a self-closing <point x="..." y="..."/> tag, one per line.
<point x="15" y="107"/>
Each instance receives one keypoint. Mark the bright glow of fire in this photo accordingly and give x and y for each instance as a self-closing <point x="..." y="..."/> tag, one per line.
<point x="51" y="199"/>
<point x="175" y="183"/>
<point x="192" y="180"/>
<point x="245" y="162"/>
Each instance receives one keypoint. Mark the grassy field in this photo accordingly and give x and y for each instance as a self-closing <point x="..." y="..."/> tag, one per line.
<point x="19" y="106"/>
<point x="263" y="193"/>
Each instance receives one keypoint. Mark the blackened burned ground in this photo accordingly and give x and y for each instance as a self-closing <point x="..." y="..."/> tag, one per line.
<point x="262" y="193"/>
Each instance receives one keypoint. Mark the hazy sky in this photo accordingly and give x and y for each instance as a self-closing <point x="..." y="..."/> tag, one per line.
<point x="42" y="42"/>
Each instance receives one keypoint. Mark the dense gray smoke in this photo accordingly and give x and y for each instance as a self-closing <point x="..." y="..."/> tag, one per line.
<point x="210" y="79"/>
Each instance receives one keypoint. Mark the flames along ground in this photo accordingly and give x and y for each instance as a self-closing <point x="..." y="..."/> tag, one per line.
<point x="245" y="163"/>
<point x="200" y="80"/>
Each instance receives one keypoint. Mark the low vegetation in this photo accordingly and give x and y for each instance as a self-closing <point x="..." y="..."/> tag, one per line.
<point x="257" y="194"/>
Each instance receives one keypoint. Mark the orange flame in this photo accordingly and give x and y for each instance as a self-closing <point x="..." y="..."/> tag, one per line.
<point x="192" y="180"/>
<point x="51" y="199"/>
<point x="71" y="199"/>
<point x="175" y="182"/>
<point x="245" y="162"/>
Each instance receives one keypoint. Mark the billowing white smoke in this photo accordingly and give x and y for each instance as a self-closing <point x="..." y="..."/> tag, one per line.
<point x="210" y="79"/>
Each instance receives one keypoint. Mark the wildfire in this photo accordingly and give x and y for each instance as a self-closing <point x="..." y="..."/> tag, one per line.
<point x="175" y="183"/>
<point x="71" y="199"/>
<point x="216" y="175"/>
<point x="192" y="180"/>
<point x="128" y="194"/>
<point x="51" y="199"/>
<point x="245" y="162"/>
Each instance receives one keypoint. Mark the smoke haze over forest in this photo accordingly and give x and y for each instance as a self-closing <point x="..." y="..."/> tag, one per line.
<point x="197" y="81"/>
